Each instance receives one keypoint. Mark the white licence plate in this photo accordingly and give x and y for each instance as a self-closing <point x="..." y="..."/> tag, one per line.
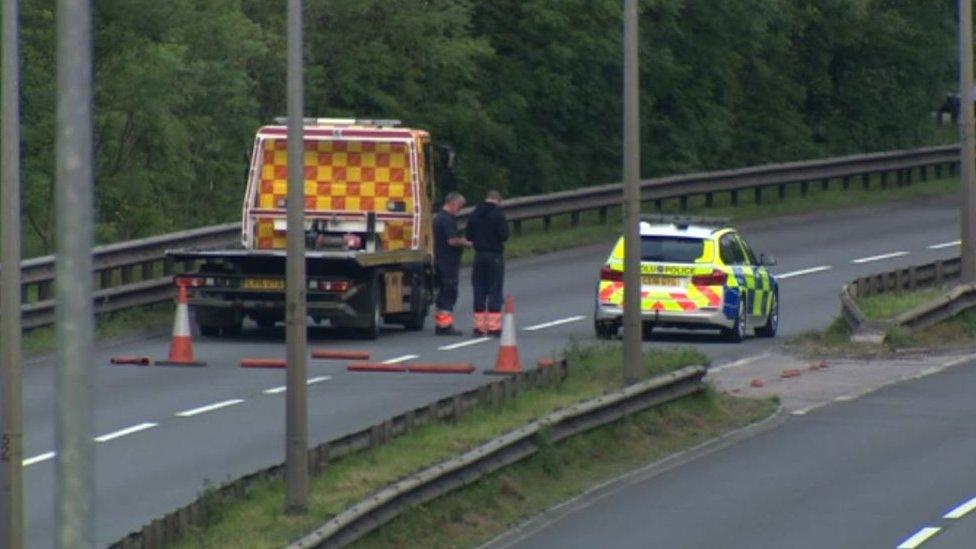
<point x="670" y="281"/>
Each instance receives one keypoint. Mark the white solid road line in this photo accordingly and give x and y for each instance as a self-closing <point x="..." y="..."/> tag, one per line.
<point x="879" y="257"/>
<point x="123" y="432"/>
<point x="918" y="538"/>
<point x="403" y="358"/>
<point x="38" y="458"/>
<point x="464" y="344"/>
<point x="961" y="510"/>
<point x="802" y="272"/>
<point x="958" y="361"/>
<point x="209" y="407"/>
<point x="559" y="322"/>
<point x="945" y="245"/>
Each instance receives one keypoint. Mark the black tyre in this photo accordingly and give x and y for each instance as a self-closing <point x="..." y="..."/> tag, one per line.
<point x="419" y="305"/>
<point x="374" y="307"/>
<point x="647" y="330"/>
<point x="772" y="321"/>
<point x="737" y="332"/>
<point x="605" y="330"/>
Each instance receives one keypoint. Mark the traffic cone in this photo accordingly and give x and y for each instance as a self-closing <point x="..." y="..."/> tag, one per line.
<point x="181" y="346"/>
<point x="508" y="358"/>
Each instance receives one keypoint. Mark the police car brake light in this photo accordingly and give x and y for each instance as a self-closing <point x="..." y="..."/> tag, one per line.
<point x="606" y="273"/>
<point x="715" y="278"/>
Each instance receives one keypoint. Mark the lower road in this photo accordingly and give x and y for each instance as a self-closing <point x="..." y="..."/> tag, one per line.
<point x="892" y="469"/>
<point x="164" y="432"/>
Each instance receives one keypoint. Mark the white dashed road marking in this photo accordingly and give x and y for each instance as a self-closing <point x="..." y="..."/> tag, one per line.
<point x="209" y="407"/>
<point x="737" y="363"/>
<point x="38" y="458"/>
<point x="945" y="245"/>
<point x="559" y="322"/>
<point x="282" y="388"/>
<point x="123" y="432"/>
<point x="918" y="538"/>
<point x="961" y="510"/>
<point x="881" y="257"/>
<point x="802" y="272"/>
<point x="403" y="358"/>
<point x="453" y="346"/>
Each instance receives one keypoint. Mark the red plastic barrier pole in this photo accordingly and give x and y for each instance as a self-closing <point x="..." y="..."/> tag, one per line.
<point x="440" y="368"/>
<point x="262" y="363"/>
<point x="375" y="367"/>
<point x="337" y="354"/>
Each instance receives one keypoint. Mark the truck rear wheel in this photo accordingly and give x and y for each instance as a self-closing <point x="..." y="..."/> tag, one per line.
<point x="419" y="305"/>
<point x="375" y="306"/>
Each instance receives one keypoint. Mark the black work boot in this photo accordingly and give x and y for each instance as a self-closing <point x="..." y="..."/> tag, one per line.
<point x="447" y="331"/>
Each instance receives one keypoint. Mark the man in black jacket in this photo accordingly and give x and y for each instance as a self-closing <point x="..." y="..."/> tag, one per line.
<point x="488" y="230"/>
<point x="448" y="246"/>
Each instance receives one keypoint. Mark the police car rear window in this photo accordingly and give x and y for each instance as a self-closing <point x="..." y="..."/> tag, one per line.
<point x="671" y="249"/>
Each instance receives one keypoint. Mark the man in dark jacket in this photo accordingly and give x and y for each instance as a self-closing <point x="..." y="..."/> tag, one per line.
<point x="448" y="245"/>
<point x="488" y="230"/>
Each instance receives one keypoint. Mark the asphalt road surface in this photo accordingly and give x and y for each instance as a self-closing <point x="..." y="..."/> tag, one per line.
<point x="164" y="432"/>
<point x="885" y="470"/>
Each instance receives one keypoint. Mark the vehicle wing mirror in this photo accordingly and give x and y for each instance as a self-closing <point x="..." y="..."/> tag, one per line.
<point x="767" y="260"/>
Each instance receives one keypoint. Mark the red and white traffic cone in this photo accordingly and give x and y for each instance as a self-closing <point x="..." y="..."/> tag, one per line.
<point x="508" y="358"/>
<point x="181" y="346"/>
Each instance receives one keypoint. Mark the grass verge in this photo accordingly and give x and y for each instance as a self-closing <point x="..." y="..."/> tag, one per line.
<point x="502" y="500"/>
<point x="258" y="519"/>
<point x="957" y="332"/>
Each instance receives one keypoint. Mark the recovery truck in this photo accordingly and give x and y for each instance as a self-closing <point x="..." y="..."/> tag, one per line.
<point x="369" y="192"/>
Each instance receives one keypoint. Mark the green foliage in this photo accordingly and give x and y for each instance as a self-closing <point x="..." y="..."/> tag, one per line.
<point x="527" y="91"/>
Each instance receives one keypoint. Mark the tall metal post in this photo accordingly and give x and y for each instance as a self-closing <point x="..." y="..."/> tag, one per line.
<point x="966" y="154"/>
<point x="296" y="430"/>
<point x="631" y="206"/>
<point x="11" y="396"/>
<point x="73" y="206"/>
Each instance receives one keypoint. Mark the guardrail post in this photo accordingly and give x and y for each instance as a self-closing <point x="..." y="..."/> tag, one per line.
<point x="939" y="272"/>
<point x="734" y="197"/>
<point x="546" y="222"/>
<point x="923" y="173"/>
<point x="846" y="182"/>
<point x="804" y="188"/>
<point x="146" y="269"/>
<point x="899" y="178"/>
<point x="884" y="180"/>
<point x="657" y="204"/>
<point x="574" y="219"/>
<point x="866" y="181"/>
<point x="825" y="183"/>
<point x="953" y="168"/>
<point x="781" y="189"/>
<point x="105" y="279"/>
<point x="709" y="200"/>
<point x="126" y="272"/>
<point x="169" y="266"/>
<point x="603" y="214"/>
<point x="517" y="227"/>
<point x="757" y="195"/>
<point x="912" y="277"/>
<point x="455" y="408"/>
<point x="938" y="171"/>
<point x="683" y="202"/>
<point x="908" y="177"/>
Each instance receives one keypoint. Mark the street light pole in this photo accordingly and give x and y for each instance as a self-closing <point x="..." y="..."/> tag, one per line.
<point x="11" y="392"/>
<point x="966" y="142"/>
<point x="73" y="271"/>
<point x="631" y="206"/>
<point x="296" y="429"/>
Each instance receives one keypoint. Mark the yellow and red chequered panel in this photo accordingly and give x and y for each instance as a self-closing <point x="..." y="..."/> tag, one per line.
<point x="689" y="298"/>
<point x="339" y="176"/>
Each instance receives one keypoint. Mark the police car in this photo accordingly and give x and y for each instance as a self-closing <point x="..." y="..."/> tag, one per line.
<point x="696" y="273"/>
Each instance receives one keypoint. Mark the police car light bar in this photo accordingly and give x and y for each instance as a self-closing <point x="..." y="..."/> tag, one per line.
<point x="378" y="122"/>
<point x="685" y="220"/>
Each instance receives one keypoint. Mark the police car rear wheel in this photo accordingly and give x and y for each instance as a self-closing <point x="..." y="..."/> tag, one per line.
<point x="605" y="330"/>
<point x="772" y="322"/>
<point x="737" y="332"/>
